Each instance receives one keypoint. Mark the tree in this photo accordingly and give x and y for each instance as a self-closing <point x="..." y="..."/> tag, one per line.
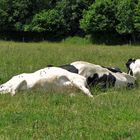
<point x="5" y="17"/>
<point x="72" y="12"/>
<point x="125" y="18"/>
<point x="15" y="13"/>
<point x="99" y="18"/>
<point x="49" y="21"/>
<point x="137" y="17"/>
<point x="63" y="19"/>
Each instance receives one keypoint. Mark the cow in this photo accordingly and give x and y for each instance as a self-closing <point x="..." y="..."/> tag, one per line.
<point x="104" y="77"/>
<point x="49" y="79"/>
<point x="133" y="67"/>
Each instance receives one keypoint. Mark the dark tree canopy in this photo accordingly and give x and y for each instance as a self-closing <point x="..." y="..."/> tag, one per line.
<point x="61" y="18"/>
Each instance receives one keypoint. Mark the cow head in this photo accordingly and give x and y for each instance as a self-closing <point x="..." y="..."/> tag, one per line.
<point x="129" y="62"/>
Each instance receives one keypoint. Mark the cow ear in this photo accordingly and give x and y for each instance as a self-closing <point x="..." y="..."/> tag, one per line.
<point x="128" y="62"/>
<point x="133" y="59"/>
<point x="49" y="65"/>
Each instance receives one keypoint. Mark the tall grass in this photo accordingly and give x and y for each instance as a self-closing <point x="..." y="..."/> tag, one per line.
<point x="40" y="115"/>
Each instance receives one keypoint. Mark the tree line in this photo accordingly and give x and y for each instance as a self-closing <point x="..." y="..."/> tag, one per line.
<point x="101" y="20"/>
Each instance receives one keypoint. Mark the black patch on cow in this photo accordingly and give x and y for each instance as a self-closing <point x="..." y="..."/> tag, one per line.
<point x="128" y="63"/>
<point x="130" y="85"/>
<point x="69" y="68"/>
<point x="111" y="79"/>
<point x="102" y="82"/>
<point x="49" y="65"/>
<point x="115" y="70"/>
<point x="131" y="72"/>
<point x="92" y="81"/>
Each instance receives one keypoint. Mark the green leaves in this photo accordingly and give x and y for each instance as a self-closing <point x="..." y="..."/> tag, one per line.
<point x="50" y="21"/>
<point x="119" y="16"/>
<point x="99" y="17"/>
<point x="125" y="15"/>
<point x="68" y="18"/>
<point x="137" y="17"/>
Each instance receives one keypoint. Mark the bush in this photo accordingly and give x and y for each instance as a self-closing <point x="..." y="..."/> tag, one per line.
<point x="137" y="17"/>
<point x="107" y="17"/>
<point x="47" y="21"/>
<point x="72" y="12"/>
<point x="125" y="15"/>
<point x="99" y="18"/>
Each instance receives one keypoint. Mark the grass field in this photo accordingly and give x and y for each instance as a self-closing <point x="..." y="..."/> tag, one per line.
<point x="58" y="116"/>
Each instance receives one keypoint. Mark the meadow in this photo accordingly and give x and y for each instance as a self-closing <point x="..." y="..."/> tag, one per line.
<point x="37" y="115"/>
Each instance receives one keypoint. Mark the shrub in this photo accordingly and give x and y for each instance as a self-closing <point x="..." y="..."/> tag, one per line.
<point x="99" y="18"/>
<point x="47" y="21"/>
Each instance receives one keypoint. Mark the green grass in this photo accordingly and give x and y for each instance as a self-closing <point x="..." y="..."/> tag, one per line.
<point x="39" y="115"/>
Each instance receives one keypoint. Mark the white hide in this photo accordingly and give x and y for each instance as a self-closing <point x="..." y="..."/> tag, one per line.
<point x="50" y="78"/>
<point x="88" y="70"/>
<point x="135" y="67"/>
<point x="123" y="80"/>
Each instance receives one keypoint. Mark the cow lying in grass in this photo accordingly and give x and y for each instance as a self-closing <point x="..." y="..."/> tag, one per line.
<point x="50" y="78"/>
<point x="102" y="76"/>
<point x="133" y="66"/>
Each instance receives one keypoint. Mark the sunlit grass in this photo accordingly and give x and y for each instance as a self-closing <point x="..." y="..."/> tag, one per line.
<point x="42" y="115"/>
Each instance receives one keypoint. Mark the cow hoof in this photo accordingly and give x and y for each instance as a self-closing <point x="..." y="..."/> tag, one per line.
<point x="91" y="96"/>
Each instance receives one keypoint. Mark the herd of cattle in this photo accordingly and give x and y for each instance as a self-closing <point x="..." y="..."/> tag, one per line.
<point x="81" y="75"/>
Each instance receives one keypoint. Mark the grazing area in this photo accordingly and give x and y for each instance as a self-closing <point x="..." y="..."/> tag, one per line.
<point x="68" y="115"/>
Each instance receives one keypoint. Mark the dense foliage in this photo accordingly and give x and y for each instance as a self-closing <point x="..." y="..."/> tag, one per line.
<point x="61" y="18"/>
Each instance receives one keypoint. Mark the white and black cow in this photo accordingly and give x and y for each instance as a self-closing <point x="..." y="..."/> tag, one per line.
<point x="102" y="76"/>
<point x="133" y="66"/>
<point x="50" y="78"/>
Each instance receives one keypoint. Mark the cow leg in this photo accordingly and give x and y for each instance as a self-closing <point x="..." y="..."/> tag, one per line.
<point x="83" y="87"/>
<point x="20" y="86"/>
<point x="86" y="91"/>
